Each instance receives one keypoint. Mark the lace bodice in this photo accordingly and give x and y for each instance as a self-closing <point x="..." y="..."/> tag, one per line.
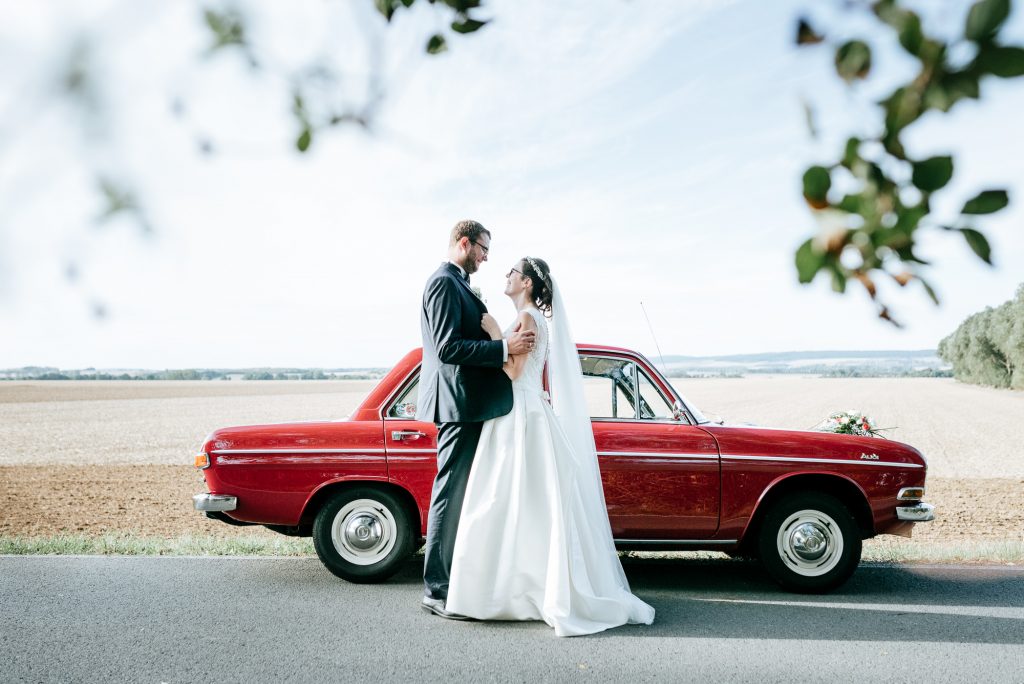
<point x="532" y="377"/>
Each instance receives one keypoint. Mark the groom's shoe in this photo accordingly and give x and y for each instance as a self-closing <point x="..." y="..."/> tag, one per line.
<point x="436" y="606"/>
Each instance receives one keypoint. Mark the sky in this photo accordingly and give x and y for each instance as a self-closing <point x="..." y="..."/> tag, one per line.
<point x="650" y="151"/>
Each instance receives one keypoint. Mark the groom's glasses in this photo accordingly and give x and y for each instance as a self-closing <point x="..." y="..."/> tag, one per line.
<point x="487" y="250"/>
<point x="515" y="270"/>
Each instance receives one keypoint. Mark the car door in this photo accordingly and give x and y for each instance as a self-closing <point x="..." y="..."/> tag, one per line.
<point x="411" y="444"/>
<point x="662" y="475"/>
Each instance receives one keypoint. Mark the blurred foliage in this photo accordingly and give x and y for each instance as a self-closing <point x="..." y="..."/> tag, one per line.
<point x="874" y="198"/>
<point x="311" y="105"/>
<point x="461" y="23"/>
<point x="871" y="200"/>
<point x="988" y="347"/>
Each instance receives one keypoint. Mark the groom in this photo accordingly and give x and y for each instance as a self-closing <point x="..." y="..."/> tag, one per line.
<point x="461" y="385"/>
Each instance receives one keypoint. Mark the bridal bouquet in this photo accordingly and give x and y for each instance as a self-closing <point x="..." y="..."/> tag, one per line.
<point x="850" y="423"/>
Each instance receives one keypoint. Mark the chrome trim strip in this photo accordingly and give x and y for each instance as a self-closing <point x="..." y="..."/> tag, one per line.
<point x="297" y="451"/>
<point x="297" y="459"/>
<point x="922" y="512"/>
<point x="643" y="454"/>
<point x="645" y="421"/>
<point x="214" y="502"/>
<point x="662" y="454"/>
<point x="679" y="542"/>
<point x="795" y="459"/>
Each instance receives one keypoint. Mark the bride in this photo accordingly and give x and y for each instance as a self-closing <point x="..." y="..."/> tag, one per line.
<point x="534" y="542"/>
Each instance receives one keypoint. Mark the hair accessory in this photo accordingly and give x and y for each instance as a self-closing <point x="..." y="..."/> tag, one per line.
<point x="540" y="273"/>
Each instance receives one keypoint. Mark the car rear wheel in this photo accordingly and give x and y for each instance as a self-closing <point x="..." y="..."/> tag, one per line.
<point x="363" y="534"/>
<point x="809" y="542"/>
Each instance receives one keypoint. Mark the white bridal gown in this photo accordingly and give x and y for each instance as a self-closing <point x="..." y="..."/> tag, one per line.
<point x="534" y="542"/>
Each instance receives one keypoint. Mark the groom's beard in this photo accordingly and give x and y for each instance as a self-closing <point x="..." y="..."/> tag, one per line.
<point x="470" y="266"/>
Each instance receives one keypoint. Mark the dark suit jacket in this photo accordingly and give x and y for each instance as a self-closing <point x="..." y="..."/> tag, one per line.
<point x="461" y="380"/>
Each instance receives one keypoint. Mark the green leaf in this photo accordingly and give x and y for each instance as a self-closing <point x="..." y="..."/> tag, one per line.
<point x="928" y="288"/>
<point x="902" y="108"/>
<point x="911" y="35"/>
<point x="467" y="25"/>
<point x="987" y="202"/>
<point x="850" y="204"/>
<point x="806" y="35"/>
<point x="838" y="278"/>
<point x="853" y="60"/>
<point x="978" y="243"/>
<point x="817" y="182"/>
<point x="305" y="138"/>
<point x="1004" y="62"/>
<point x="908" y="218"/>
<point x="228" y="28"/>
<point x="931" y="174"/>
<point x="386" y="7"/>
<point x="985" y="18"/>
<point x="961" y="84"/>
<point x="808" y="262"/>
<point x="436" y="44"/>
<point x="851" y="153"/>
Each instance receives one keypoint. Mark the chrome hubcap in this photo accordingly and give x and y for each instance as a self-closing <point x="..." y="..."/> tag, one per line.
<point x="810" y="543"/>
<point x="364" y="532"/>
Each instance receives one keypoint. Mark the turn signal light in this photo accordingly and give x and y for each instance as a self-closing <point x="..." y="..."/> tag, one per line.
<point x="911" y="494"/>
<point x="202" y="460"/>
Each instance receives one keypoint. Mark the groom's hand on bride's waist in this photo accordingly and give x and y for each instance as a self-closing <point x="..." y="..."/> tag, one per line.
<point x="521" y="341"/>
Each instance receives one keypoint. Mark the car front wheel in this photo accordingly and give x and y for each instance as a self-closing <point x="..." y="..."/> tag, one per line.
<point x="363" y="534"/>
<point x="809" y="542"/>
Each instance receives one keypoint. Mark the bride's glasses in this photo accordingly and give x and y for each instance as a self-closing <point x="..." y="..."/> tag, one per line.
<point x="515" y="270"/>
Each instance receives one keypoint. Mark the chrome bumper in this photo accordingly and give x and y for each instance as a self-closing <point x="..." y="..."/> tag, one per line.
<point x="921" y="512"/>
<point x="214" y="502"/>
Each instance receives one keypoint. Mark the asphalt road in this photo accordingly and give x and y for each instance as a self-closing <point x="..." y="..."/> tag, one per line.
<point x="157" y="619"/>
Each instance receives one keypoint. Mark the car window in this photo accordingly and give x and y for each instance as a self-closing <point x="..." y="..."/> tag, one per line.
<point x="653" y="405"/>
<point x="405" y="405"/>
<point x="608" y="385"/>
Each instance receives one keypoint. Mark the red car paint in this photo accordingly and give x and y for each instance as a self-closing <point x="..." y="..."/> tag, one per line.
<point x="668" y="483"/>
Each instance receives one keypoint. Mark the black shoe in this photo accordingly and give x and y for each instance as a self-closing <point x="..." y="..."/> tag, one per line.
<point x="436" y="606"/>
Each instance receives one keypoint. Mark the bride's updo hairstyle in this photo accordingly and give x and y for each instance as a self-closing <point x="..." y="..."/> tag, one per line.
<point x="536" y="269"/>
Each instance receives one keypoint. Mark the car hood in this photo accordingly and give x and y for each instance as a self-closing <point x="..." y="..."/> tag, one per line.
<point x="747" y="440"/>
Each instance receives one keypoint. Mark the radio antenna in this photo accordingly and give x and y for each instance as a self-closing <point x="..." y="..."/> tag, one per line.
<point x="651" y="328"/>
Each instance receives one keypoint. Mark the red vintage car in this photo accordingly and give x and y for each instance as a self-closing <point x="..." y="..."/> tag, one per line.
<point x="800" y="501"/>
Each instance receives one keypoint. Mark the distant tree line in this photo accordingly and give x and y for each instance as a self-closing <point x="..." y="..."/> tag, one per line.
<point x="43" y="373"/>
<point x="824" y="371"/>
<point x="988" y="347"/>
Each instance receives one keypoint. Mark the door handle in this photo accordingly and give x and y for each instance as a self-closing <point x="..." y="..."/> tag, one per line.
<point x="399" y="435"/>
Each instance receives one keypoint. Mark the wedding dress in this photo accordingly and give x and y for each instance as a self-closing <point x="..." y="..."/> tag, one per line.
<point x="534" y="541"/>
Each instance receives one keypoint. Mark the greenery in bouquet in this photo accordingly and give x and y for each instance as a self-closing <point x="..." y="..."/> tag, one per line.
<point x="850" y="423"/>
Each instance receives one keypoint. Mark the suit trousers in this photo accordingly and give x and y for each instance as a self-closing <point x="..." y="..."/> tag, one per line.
<point x="456" y="446"/>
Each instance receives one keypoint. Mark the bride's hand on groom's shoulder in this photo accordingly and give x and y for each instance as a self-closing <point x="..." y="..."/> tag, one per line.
<point x="490" y="326"/>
